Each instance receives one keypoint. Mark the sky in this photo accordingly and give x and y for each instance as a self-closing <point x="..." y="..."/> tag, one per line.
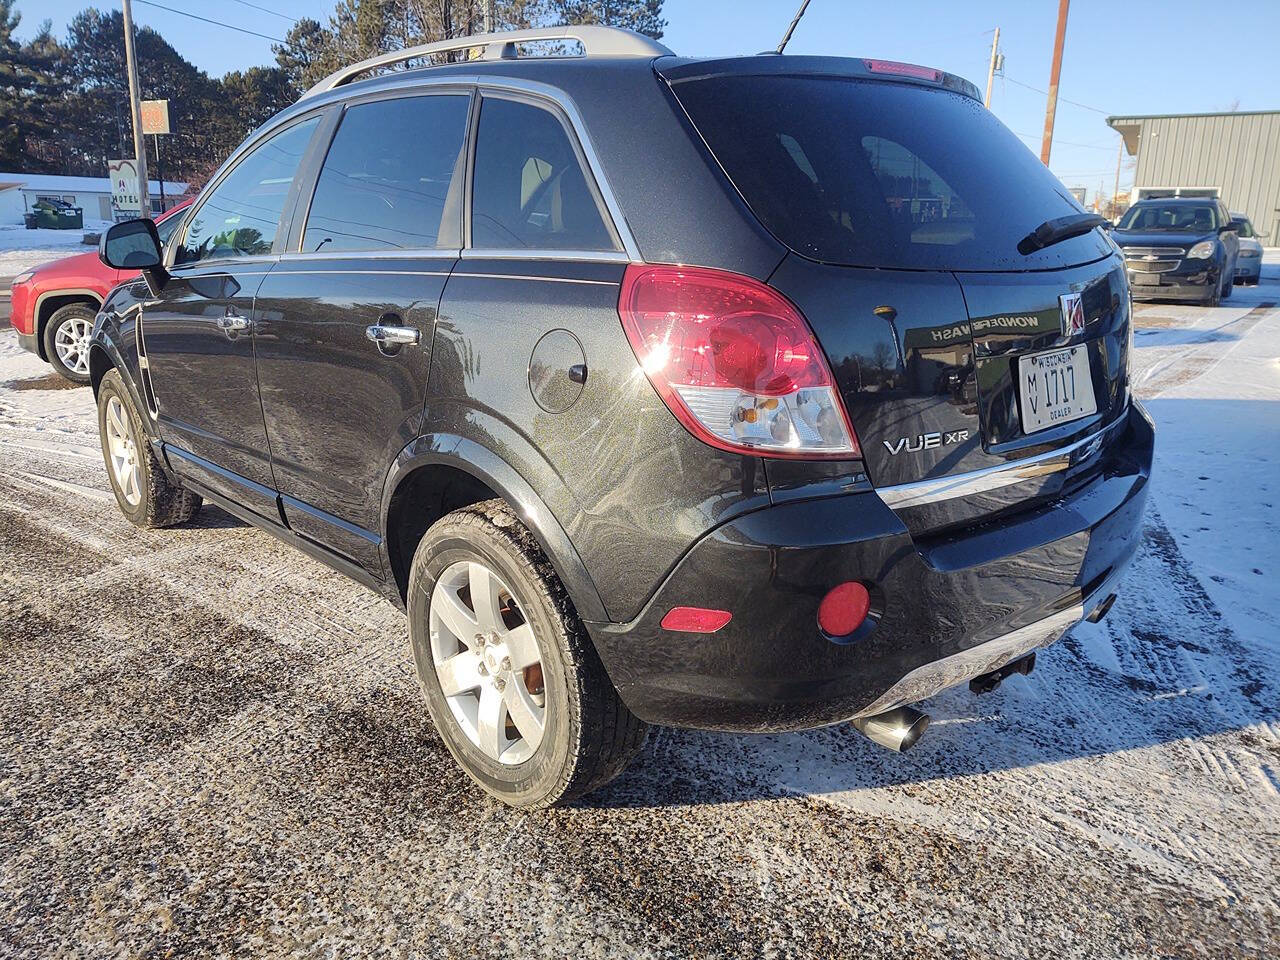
<point x="1120" y="57"/>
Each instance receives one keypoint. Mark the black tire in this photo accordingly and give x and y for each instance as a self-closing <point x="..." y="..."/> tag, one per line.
<point x="589" y="735"/>
<point x="60" y="318"/>
<point x="161" y="502"/>
<point x="1215" y="299"/>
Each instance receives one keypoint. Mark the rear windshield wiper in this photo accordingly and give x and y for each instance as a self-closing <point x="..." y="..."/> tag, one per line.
<point x="1055" y="231"/>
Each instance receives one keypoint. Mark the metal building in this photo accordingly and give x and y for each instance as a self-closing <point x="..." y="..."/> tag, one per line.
<point x="1235" y="156"/>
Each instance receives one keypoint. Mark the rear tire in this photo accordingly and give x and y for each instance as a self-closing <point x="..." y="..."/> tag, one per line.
<point x="66" y="341"/>
<point x="144" y="492"/>
<point x="577" y="735"/>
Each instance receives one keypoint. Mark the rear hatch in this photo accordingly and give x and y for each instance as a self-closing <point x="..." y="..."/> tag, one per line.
<point x="903" y="202"/>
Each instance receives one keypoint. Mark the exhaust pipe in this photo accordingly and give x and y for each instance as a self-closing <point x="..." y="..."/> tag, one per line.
<point x="898" y="729"/>
<point x="1101" y="609"/>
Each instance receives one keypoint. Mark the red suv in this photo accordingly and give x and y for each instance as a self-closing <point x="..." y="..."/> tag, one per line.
<point x="53" y="306"/>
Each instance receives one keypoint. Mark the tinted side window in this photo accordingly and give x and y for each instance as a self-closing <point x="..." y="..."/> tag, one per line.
<point x="386" y="181"/>
<point x="529" y="190"/>
<point x="240" y="218"/>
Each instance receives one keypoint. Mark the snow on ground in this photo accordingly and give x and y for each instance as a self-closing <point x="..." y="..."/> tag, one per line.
<point x="21" y="249"/>
<point x="212" y="744"/>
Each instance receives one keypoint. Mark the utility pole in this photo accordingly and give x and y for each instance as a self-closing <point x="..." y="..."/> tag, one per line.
<point x="991" y="70"/>
<point x="135" y="110"/>
<point x="1115" y="197"/>
<point x="1054" y="73"/>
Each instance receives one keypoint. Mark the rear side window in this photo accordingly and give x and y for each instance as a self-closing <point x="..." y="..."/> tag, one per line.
<point x="881" y="174"/>
<point x="386" y="182"/>
<point x="529" y="190"/>
<point x="240" y="218"/>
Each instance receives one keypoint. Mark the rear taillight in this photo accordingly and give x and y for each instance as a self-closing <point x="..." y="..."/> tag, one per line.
<point x="735" y="362"/>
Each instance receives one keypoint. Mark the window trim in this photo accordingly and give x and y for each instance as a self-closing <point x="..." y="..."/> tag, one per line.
<point x="302" y="209"/>
<point x="283" y="226"/>
<point x="538" y="101"/>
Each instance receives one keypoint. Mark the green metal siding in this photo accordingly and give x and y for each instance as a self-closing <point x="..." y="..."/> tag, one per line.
<point x="1239" y="153"/>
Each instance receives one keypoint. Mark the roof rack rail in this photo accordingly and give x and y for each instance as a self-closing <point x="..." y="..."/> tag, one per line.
<point x="596" y="41"/>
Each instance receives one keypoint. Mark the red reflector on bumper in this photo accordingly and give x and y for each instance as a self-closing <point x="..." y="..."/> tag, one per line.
<point x="843" y="610"/>
<point x="695" y="619"/>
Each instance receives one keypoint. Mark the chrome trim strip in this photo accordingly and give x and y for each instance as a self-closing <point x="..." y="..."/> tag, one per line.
<point x="595" y="256"/>
<point x="522" y="276"/>
<point x="364" y="273"/>
<point x="921" y="492"/>
<point x="409" y="253"/>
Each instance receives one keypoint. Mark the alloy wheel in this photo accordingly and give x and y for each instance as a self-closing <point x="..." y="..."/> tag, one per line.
<point x="488" y="663"/>
<point x="72" y="343"/>
<point x="123" y="451"/>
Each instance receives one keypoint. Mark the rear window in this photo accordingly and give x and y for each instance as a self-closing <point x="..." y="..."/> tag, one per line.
<point x="878" y="174"/>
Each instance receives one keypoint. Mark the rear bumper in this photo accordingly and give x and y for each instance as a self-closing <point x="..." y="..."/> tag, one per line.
<point x="29" y="341"/>
<point x="943" y="611"/>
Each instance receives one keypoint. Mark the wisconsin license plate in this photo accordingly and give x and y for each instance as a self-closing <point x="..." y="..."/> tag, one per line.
<point x="1056" y="387"/>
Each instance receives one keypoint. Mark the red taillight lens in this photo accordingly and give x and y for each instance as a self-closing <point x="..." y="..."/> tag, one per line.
<point x="844" y="609"/>
<point x="695" y="619"/>
<point x="903" y="69"/>
<point x="734" y="361"/>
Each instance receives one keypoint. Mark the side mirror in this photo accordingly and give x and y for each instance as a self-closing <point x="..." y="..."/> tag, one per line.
<point x="131" y="245"/>
<point x="134" y="245"/>
<point x="1227" y="228"/>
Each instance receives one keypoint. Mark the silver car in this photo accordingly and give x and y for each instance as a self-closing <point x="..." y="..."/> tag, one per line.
<point x="1249" y="261"/>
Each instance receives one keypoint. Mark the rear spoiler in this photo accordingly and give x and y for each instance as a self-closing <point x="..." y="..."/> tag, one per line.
<point x="679" y="69"/>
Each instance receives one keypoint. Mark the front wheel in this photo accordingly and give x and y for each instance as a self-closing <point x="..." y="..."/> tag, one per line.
<point x="66" y="341"/>
<point x="146" y="495"/>
<point x="511" y="679"/>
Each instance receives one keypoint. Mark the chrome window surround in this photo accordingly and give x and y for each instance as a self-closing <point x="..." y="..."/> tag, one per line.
<point x="916" y="494"/>
<point x="630" y="252"/>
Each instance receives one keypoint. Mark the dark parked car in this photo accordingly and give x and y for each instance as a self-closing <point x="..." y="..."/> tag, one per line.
<point x="1179" y="248"/>
<point x="655" y="415"/>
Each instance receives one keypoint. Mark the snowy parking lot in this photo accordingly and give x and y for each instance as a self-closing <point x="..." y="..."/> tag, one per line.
<point x="212" y="744"/>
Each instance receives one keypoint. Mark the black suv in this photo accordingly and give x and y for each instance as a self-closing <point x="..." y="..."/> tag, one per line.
<point x="1179" y="248"/>
<point x="747" y="394"/>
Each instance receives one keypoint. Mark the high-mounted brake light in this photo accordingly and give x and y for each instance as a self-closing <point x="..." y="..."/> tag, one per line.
<point x="735" y="362"/>
<point x="903" y="70"/>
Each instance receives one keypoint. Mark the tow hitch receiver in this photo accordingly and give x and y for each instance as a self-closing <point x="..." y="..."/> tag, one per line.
<point x="989" y="681"/>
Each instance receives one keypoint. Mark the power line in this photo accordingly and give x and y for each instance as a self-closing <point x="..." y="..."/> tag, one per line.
<point x="216" y="23"/>
<point x="1036" y="138"/>
<point x="282" y="16"/>
<point x="1027" y="86"/>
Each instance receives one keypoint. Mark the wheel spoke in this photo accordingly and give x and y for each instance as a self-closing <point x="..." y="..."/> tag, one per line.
<point x="522" y="647"/>
<point x="524" y="713"/>
<point x="132" y="493"/>
<point x="459" y="673"/>
<point x="491" y="721"/>
<point x="116" y="413"/>
<point x="484" y="598"/>
<point x="455" y="615"/>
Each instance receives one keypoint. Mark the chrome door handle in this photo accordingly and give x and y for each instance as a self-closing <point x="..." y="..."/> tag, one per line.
<point x="389" y="335"/>
<point x="233" y="323"/>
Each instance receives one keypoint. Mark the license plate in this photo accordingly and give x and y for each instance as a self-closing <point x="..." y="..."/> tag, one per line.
<point x="1056" y="387"/>
<point x="1146" y="279"/>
